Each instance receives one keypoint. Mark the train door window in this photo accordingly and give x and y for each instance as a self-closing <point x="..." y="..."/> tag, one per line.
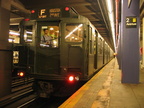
<point x="90" y="40"/>
<point x="74" y="33"/>
<point x="28" y="32"/>
<point x="49" y="36"/>
<point x="95" y="36"/>
<point x="100" y="46"/>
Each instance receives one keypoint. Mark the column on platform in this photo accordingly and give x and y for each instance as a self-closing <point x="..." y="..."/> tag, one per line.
<point x="130" y="41"/>
<point x="142" y="42"/>
<point x="5" y="49"/>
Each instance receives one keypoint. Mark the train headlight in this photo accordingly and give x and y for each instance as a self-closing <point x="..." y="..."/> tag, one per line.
<point x="21" y="74"/>
<point x="32" y="11"/>
<point x="72" y="78"/>
<point x="67" y="8"/>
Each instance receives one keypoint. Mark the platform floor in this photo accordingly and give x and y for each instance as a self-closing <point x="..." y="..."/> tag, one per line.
<point x="105" y="90"/>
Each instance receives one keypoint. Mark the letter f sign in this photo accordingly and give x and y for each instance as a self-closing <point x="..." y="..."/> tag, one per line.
<point x="42" y="11"/>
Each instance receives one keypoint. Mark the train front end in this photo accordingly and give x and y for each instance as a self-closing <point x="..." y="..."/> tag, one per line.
<point x="58" y="50"/>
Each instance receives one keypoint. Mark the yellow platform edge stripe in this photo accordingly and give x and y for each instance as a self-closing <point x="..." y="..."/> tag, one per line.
<point x="72" y="100"/>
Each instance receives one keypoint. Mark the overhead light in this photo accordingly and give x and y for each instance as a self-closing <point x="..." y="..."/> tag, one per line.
<point x="51" y="28"/>
<point x="14" y="33"/>
<point x="110" y="9"/>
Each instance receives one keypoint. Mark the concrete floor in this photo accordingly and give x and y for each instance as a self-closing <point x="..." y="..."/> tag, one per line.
<point x="105" y="90"/>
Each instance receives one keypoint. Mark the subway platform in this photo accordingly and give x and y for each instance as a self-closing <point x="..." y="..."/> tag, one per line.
<point x="105" y="90"/>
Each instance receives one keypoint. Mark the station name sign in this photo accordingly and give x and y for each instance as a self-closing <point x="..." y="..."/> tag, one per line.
<point x="49" y="13"/>
<point x="131" y="22"/>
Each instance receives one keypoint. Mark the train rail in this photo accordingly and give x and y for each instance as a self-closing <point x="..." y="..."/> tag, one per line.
<point x="22" y="92"/>
<point x="18" y="81"/>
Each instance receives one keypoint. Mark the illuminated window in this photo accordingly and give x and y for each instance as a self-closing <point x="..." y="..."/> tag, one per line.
<point x="15" y="57"/>
<point x="28" y="33"/>
<point x="49" y="36"/>
<point x="74" y="33"/>
<point x="14" y="36"/>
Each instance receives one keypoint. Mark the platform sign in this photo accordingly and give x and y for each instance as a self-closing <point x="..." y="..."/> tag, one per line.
<point x="131" y="22"/>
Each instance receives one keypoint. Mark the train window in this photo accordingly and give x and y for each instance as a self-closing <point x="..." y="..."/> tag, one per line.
<point x="14" y="36"/>
<point x="28" y="33"/>
<point x="95" y="36"/>
<point x="49" y="36"/>
<point x="90" y="41"/>
<point x="100" y="46"/>
<point x="74" y="33"/>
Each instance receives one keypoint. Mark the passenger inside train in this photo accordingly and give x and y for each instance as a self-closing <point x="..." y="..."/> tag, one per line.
<point x="46" y="39"/>
<point x="49" y="36"/>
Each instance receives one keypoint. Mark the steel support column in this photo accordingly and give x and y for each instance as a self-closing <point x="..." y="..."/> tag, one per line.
<point x="142" y="42"/>
<point x="5" y="51"/>
<point x="130" y="41"/>
<point x="119" y="48"/>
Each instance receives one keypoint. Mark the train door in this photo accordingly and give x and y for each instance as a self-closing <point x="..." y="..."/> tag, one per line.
<point x="104" y="52"/>
<point x="91" y="52"/>
<point x="47" y="50"/>
<point x="95" y="49"/>
<point x="100" y="53"/>
<point x="72" y="48"/>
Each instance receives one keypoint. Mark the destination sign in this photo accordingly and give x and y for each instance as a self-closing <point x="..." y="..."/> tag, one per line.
<point x="42" y="13"/>
<point x="54" y="12"/>
<point x="131" y="22"/>
<point x="49" y="13"/>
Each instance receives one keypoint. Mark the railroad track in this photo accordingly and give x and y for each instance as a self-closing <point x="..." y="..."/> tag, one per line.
<point x="18" y="81"/>
<point x="21" y="93"/>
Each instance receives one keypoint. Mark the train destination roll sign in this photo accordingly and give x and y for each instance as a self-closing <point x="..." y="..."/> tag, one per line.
<point x="49" y="13"/>
<point x="131" y="22"/>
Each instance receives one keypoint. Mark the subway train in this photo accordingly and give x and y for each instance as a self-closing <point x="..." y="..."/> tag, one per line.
<point x="59" y="48"/>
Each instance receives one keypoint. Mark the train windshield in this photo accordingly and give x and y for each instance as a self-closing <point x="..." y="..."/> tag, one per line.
<point x="49" y="36"/>
<point x="74" y="33"/>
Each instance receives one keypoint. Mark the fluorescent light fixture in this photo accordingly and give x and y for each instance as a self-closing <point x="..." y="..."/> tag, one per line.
<point x="14" y="33"/>
<point x="51" y="28"/>
<point x="28" y="32"/>
<point x="109" y="4"/>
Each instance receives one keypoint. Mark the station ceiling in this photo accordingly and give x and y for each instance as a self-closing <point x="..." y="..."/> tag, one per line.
<point x="94" y="10"/>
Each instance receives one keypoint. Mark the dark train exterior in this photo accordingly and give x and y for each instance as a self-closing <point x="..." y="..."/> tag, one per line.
<point x="74" y="53"/>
